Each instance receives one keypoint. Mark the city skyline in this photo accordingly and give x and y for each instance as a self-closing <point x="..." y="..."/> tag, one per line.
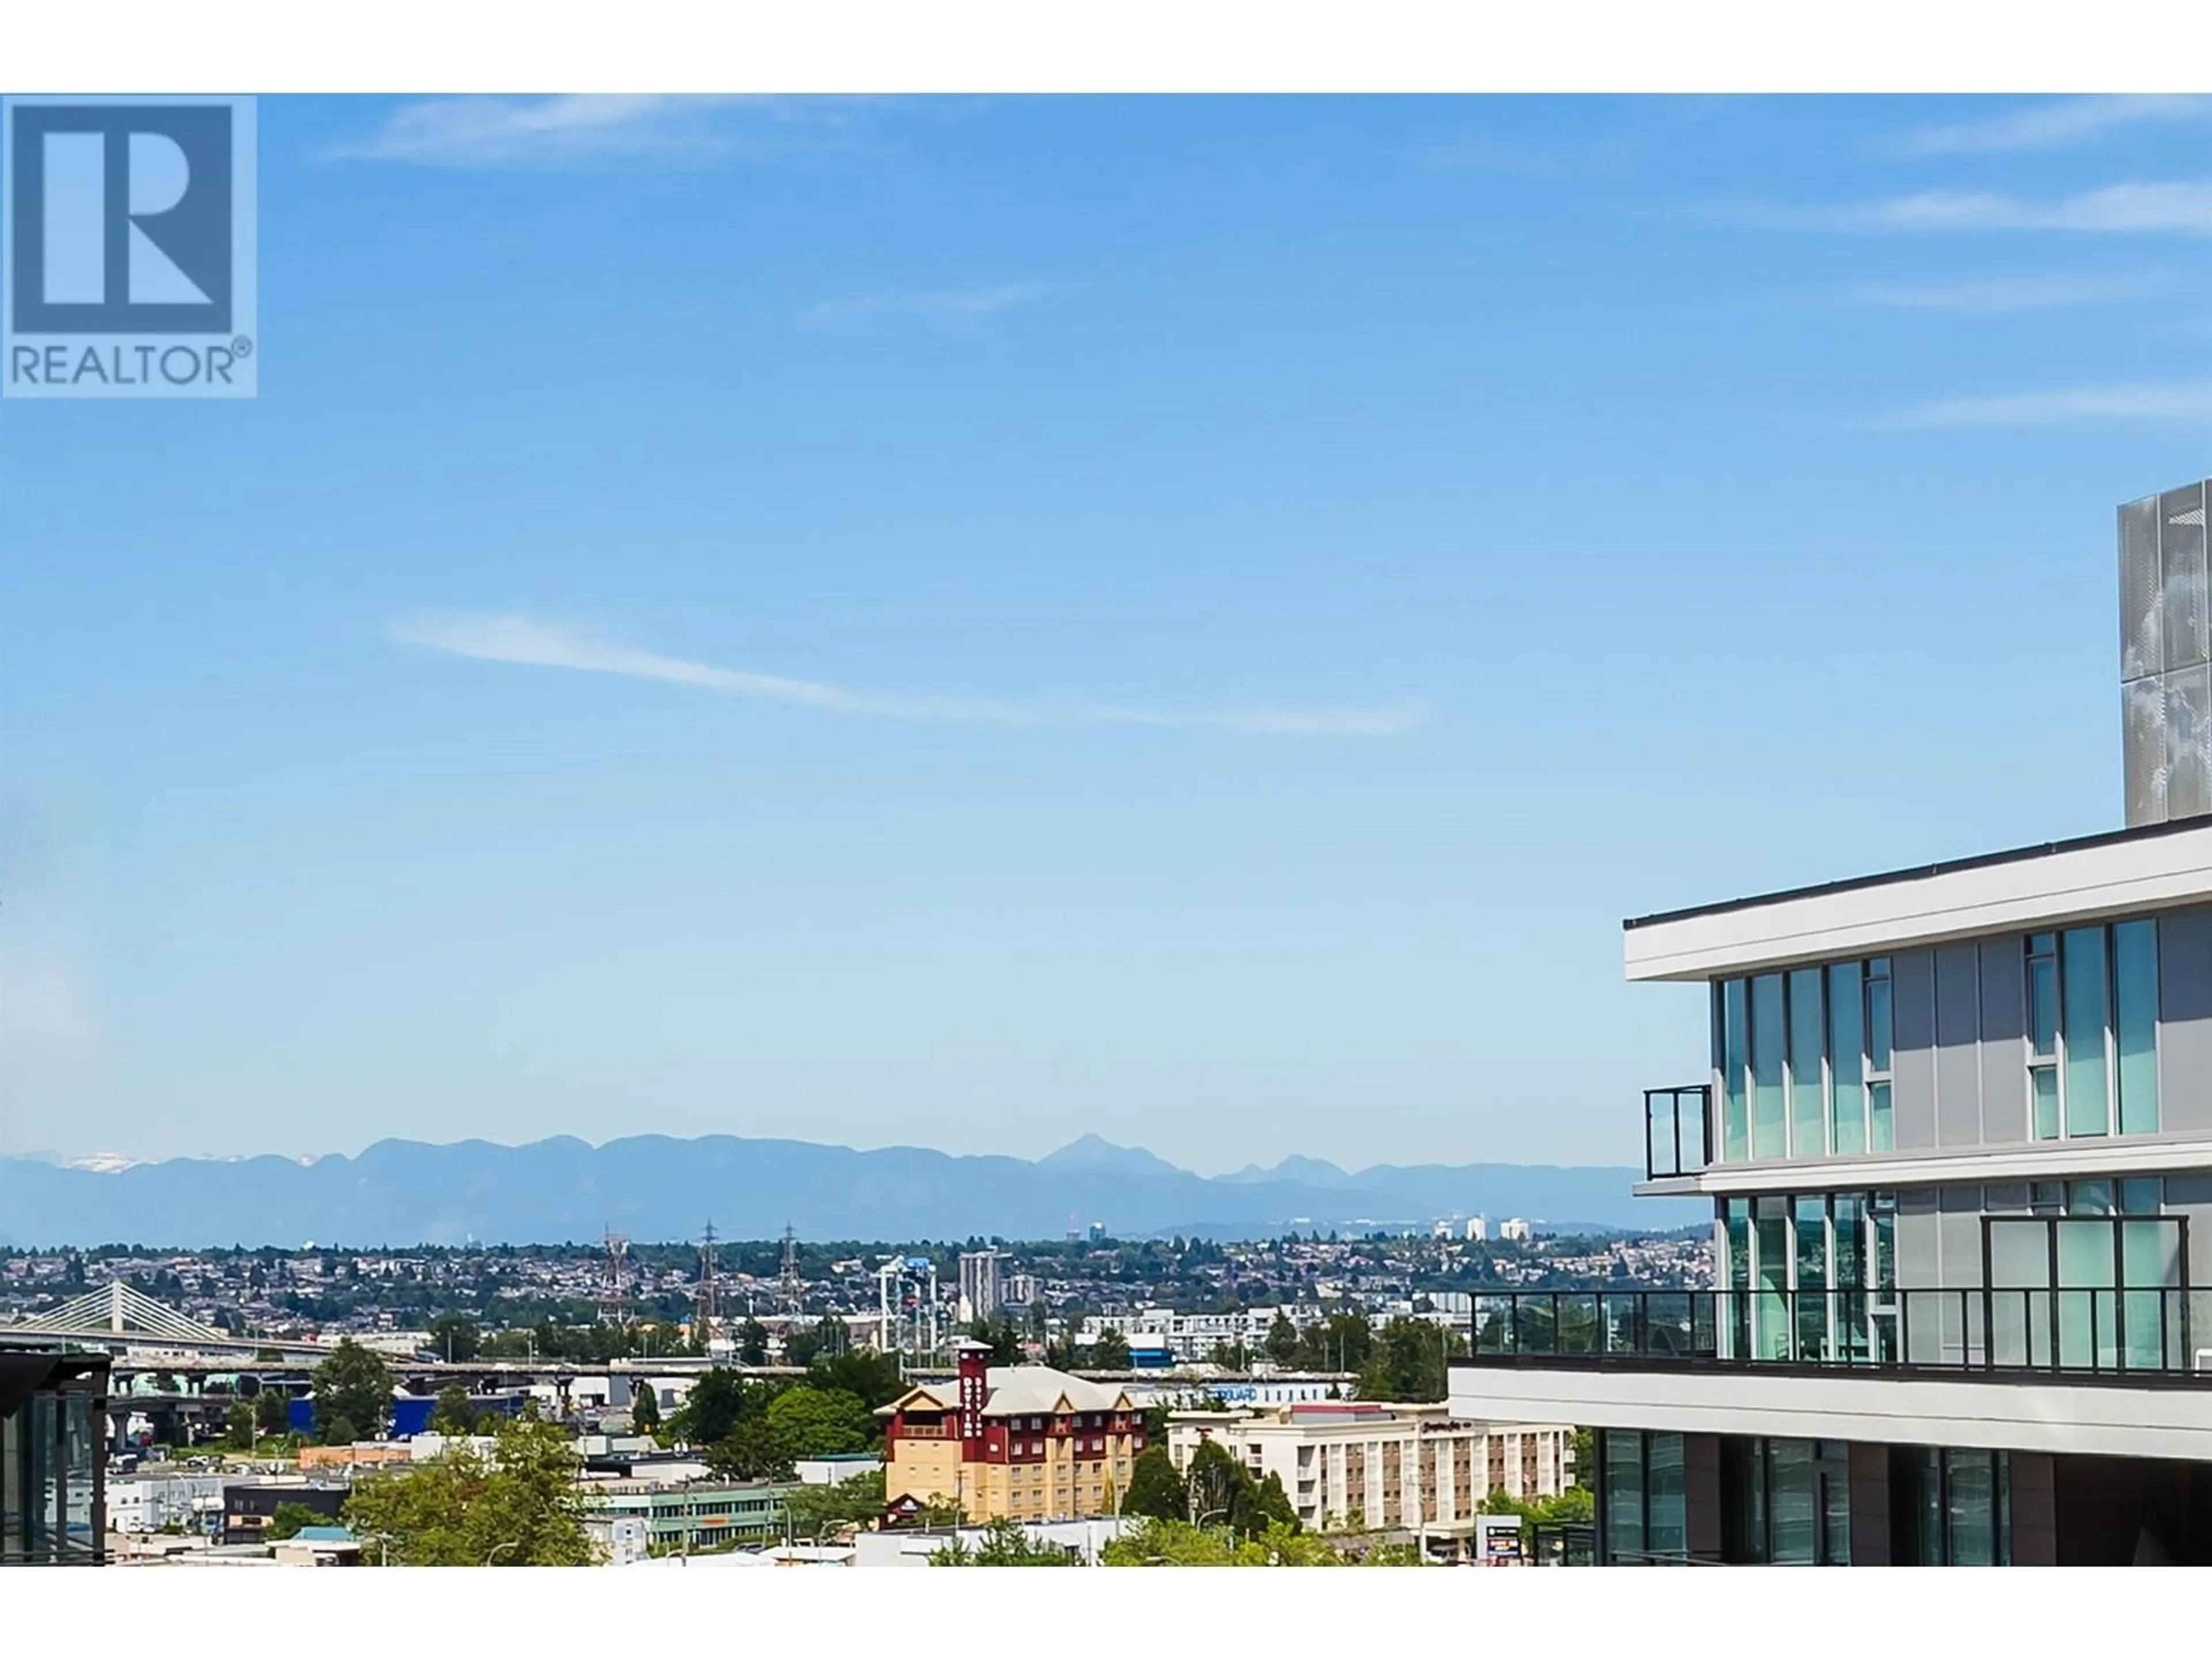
<point x="969" y="623"/>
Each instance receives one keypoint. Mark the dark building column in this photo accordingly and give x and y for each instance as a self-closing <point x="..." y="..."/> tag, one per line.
<point x="1701" y="1491"/>
<point x="1870" y="1505"/>
<point x="2034" y="1510"/>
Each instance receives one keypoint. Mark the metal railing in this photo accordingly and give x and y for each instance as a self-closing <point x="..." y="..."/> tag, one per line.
<point x="2133" y="1335"/>
<point x="1677" y="1131"/>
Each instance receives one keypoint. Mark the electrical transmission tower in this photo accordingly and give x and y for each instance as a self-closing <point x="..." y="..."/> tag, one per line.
<point x="788" y="1288"/>
<point x="708" y="1312"/>
<point x="614" y="1290"/>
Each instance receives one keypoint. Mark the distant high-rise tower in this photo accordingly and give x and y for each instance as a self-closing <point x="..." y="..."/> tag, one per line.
<point x="979" y="1282"/>
<point x="2166" y="658"/>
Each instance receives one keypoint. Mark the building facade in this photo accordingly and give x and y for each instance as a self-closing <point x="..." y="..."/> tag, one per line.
<point x="979" y="1285"/>
<point x="1957" y="1135"/>
<point x="687" y="1515"/>
<point x="53" y="1412"/>
<point x="1397" y="1468"/>
<point x="1024" y="1442"/>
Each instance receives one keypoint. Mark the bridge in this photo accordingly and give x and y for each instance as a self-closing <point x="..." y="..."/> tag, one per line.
<point x="130" y="1324"/>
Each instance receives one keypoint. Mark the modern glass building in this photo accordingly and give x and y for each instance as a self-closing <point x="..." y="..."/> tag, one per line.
<point x="53" y="1415"/>
<point x="1957" y="1135"/>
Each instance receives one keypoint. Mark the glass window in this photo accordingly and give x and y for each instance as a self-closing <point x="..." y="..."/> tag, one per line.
<point x="1970" y="1510"/>
<point x="2042" y="994"/>
<point x="2089" y="1109"/>
<point x="1847" y="1056"/>
<point x="1809" y="1219"/>
<point x="1735" y="1064"/>
<point x="2135" y="1023"/>
<point x="1808" y="1116"/>
<point x="2043" y="1036"/>
<point x="2043" y="1086"/>
<point x="1770" y="1245"/>
<point x="1878" y="1022"/>
<point x="1881" y="1137"/>
<point x="1667" y="1528"/>
<point x="1794" y="1502"/>
<point x="1622" y="1457"/>
<point x="1769" y="1137"/>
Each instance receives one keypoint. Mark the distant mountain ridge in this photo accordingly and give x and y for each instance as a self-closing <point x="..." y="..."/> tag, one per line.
<point x="658" y="1187"/>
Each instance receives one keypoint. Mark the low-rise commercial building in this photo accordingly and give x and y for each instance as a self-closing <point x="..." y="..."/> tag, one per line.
<point x="1394" y="1467"/>
<point x="696" y="1515"/>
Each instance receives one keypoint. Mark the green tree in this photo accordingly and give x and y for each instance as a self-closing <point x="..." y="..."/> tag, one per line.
<point x="452" y="1414"/>
<point x="873" y="1377"/>
<point x="238" y="1427"/>
<point x="1110" y="1352"/>
<point x="353" y="1386"/>
<point x="1283" y="1340"/>
<point x="827" y="1336"/>
<point x="454" y="1336"/>
<point x="522" y="1508"/>
<point x="1230" y="1356"/>
<point x="999" y="1336"/>
<point x="272" y="1411"/>
<point x="1180" y="1544"/>
<point x="754" y="1450"/>
<point x="718" y="1402"/>
<point x="753" y="1343"/>
<point x="337" y="1430"/>
<point x="813" y="1422"/>
<point x="644" y="1408"/>
<point x="824" y="1512"/>
<point x="1156" y="1490"/>
<point x="1339" y="1343"/>
<point x="1407" y="1361"/>
<point x="288" y="1518"/>
<point x="1004" y="1544"/>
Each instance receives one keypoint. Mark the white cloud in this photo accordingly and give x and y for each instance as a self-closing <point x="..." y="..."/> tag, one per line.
<point x="1989" y="295"/>
<point x="2043" y="126"/>
<point x="2182" y="207"/>
<point x="515" y="638"/>
<point x="511" y="132"/>
<point x="965" y="304"/>
<point x="2189" y="400"/>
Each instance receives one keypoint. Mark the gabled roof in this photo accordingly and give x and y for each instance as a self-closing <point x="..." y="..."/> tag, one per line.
<point x="1018" y="1391"/>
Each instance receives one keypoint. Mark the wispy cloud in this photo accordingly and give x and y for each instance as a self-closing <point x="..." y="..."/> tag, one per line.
<point x="523" y="639"/>
<point x="566" y="131"/>
<point x="2183" y="208"/>
<point x="2001" y="294"/>
<point x="957" y="304"/>
<point x="2047" y="125"/>
<point x="2185" y="401"/>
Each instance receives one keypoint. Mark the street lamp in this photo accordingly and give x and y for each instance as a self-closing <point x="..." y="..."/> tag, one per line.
<point x="511" y="1543"/>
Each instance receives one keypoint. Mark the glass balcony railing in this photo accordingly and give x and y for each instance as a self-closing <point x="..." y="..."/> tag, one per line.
<point x="2104" y="1333"/>
<point x="1677" y="1131"/>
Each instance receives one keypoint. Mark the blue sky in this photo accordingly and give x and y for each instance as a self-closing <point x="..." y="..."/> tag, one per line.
<point x="966" y="623"/>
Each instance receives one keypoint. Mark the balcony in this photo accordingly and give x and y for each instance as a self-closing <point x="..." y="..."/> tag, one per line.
<point x="2072" y="1335"/>
<point x="1677" y="1131"/>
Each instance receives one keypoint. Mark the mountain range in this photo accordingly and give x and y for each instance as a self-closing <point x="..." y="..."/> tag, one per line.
<point x="657" y="1188"/>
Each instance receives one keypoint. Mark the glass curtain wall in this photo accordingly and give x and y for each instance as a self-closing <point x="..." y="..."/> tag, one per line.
<point x="2093" y="1032"/>
<point x="1643" y="1505"/>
